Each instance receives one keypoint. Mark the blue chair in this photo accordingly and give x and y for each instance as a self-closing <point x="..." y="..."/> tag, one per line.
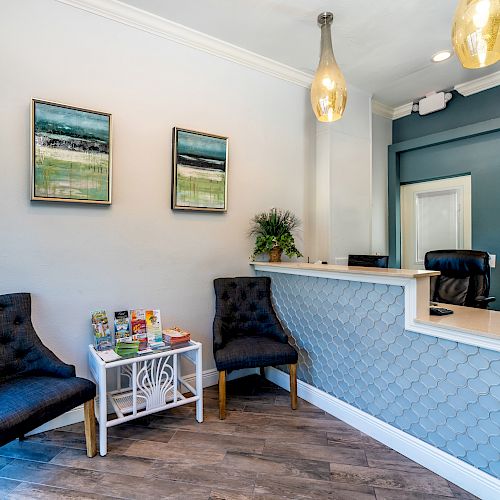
<point x="247" y="332"/>
<point x="35" y="385"/>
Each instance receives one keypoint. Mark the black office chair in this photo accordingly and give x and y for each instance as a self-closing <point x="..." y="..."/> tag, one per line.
<point x="464" y="279"/>
<point x="368" y="260"/>
<point x="247" y="332"/>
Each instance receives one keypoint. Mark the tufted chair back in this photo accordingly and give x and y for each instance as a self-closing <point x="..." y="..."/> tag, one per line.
<point x="243" y="307"/>
<point x="21" y="351"/>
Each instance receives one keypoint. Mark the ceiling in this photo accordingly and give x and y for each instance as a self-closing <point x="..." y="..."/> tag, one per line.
<point x="383" y="47"/>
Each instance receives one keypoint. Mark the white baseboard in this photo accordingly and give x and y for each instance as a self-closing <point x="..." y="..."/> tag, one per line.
<point x="211" y="377"/>
<point x="453" y="469"/>
<point x="74" y="416"/>
<point x="70" y="417"/>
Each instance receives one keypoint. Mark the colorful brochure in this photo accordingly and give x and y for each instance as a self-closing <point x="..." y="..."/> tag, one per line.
<point x="153" y="326"/>
<point x="102" y="334"/>
<point x="122" y="327"/>
<point x="138" y="322"/>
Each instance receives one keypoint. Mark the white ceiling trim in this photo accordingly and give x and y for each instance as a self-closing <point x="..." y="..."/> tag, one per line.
<point x="150" y="23"/>
<point x="403" y="110"/>
<point x="479" y="84"/>
<point x="466" y="89"/>
<point x="158" y="26"/>
<point x="381" y="109"/>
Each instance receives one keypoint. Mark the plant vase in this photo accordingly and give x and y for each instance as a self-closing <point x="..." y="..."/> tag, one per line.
<point x="275" y="254"/>
<point x="273" y="234"/>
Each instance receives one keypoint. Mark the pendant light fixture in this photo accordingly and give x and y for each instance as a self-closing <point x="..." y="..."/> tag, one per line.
<point x="475" y="34"/>
<point x="328" y="90"/>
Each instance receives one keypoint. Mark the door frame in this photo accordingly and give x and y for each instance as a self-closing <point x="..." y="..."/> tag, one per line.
<point x="440" y="184"/>
<point x="394" y="184"/>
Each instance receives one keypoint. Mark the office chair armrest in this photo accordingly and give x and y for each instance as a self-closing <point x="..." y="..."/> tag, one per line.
<point x="483" y="302"/>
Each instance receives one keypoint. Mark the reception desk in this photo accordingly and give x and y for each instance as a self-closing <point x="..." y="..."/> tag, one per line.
<point x="370" y="353"/>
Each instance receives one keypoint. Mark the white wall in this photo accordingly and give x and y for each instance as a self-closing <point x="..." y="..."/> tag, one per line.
<point x="137" y="252"/>
<point x="343" y="182"/>
<point x="320" y="201"/>
<point x="381" y="139"/>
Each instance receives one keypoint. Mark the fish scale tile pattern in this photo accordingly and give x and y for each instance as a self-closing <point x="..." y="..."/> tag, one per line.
<point x="353" y="345"/>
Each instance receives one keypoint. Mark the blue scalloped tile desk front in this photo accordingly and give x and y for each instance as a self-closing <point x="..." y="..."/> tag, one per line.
<point x="352" y="344"/>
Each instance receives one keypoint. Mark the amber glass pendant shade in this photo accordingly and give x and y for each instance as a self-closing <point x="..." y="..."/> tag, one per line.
<point x="475" y="33"/>
<point x="328" y="90"/>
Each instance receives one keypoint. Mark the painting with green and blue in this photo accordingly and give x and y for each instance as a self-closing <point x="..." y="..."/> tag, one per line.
<point x="71" y="154"/>
<point x="200" y="170"/>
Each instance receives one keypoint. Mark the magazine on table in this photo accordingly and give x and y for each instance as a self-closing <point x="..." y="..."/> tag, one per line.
<point x="108" y="355"/>
<point x="176" y="337"/>
<point x="127" y="349"/>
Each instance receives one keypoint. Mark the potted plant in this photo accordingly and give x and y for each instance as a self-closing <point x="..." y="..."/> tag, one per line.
<point x="273" y="231"/>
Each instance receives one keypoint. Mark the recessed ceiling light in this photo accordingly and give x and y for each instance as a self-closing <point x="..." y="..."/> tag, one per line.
<point x="441" y="56"/>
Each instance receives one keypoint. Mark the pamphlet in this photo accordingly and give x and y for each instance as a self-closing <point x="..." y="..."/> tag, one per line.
<point x="153" y="326"/>
<point x="102" y="334"/>
<point x="122" y="327"/>
<point x="138" y="321"/>
<point x="108" y="355"/>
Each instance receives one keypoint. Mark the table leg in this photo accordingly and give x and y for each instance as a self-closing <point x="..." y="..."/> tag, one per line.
<point x="118" y="377"/>
<point x="103" y="413"/>
<point x="177" y="361"/>
<point x="199" y="385"/>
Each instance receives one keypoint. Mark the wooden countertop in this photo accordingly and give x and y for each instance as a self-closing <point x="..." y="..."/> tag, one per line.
<point x="466" y="319"/>
<point x="372" y="271"/>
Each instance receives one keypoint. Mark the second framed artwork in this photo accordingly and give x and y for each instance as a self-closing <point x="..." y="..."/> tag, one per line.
<point x="199" y="173"/>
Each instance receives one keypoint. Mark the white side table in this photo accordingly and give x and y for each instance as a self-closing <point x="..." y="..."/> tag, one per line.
<point x="153" y="383"/>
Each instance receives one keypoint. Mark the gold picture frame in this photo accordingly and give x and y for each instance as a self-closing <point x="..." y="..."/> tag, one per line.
<point x="71" y="154"/>
<point x="199" y="171"/>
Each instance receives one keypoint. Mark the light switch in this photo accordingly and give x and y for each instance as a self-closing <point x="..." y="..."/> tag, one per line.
<point x="493" y="260"/>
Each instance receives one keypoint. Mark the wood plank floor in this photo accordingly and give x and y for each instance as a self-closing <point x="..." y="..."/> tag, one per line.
<point x="263" y="450"/>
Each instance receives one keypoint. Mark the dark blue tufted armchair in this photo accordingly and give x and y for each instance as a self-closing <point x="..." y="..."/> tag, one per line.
<point x="35" y="386"/>
<point x="247" y="332"/>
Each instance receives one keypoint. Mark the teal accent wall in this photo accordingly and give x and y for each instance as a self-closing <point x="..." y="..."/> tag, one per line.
<point x="459" y="111"/>
<point x="462" y="139"/>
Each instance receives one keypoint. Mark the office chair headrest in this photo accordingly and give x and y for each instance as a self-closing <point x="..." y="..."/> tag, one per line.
<point x="458" y="262"/>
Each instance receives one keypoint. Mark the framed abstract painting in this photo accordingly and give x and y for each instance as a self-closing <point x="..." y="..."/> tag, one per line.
<point x="199" y="174"/>
<point x="71" y="154"/>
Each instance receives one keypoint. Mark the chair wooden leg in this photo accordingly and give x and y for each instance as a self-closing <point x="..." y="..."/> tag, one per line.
<point x="293" y="385"/>
<point x="90" y="434"/>
<point x="222" y="394"/>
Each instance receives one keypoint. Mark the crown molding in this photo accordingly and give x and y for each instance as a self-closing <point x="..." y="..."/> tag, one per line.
<point x="158" y="26"/>
<point x="381" y="109"/>
<point x="403" y="110"/>
<point x="479" y="84"/>
<point x="466" y="89"/>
